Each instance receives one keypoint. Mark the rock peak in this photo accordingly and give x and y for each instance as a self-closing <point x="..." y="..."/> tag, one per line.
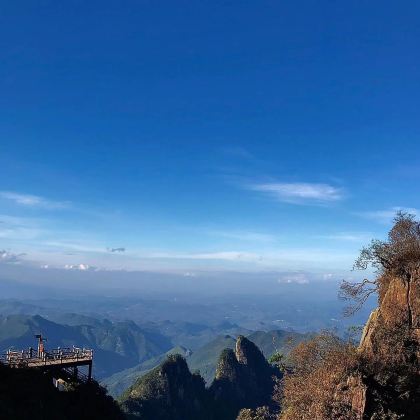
<point x="247" y="353"/>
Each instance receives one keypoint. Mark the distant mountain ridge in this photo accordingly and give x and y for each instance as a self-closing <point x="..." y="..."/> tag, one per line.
<point x="116" y="346"/>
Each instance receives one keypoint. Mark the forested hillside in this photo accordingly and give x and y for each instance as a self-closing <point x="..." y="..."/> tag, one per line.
<point x="116" y="345"/>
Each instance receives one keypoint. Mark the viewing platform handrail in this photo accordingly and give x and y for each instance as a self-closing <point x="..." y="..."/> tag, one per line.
<point x="58" y="354"/>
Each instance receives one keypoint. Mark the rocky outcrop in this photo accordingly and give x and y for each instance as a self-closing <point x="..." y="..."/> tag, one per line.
<point x="396" y="319"/>
<point x="244" y="379"/>
<point x="168" y="392"/>
<point x="368" y="330"/>
<point x="390" y="348"/>
<point x="379" y="379"/>
<point x="353" y="394"/>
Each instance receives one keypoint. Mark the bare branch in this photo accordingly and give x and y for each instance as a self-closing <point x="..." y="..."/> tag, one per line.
<point x="399" y="256"/>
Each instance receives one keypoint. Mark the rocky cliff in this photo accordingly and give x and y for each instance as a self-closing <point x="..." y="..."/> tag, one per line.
<point x="398" y="313"/>
<point x="168" y="392"/>
<point x="244" y="378"/>
<point x="390" y="349"/>
<point x="379" y="379"/>
<point x="171" y="392"/>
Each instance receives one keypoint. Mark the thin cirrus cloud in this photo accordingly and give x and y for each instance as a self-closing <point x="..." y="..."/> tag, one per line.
<point x="348" y="236"/>
<point x="299" y="192"/>
<point x="386" y="216"/>
<point x="243" y="235"/>
<point x="219" y="255"/>
<point x="32" y="201"/>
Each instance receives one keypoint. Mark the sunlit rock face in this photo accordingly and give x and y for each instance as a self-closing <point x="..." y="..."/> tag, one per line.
<point x="390" y="345"/>
<point x="398" y="314"/>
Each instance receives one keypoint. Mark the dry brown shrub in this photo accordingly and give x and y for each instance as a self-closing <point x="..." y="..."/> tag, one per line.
<point x="311" y="390"/>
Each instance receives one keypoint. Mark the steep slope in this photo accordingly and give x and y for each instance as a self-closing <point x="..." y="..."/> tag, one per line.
<point x="268" y="342"/>
<point x="380" y="379"/>
<point x="168" y="392"/>
<point x="120" y="381"/>
<point x="390" y="344"/>
<point x="399" y="309"/>
<point x="205" y="358"/>
<point x="244" y="379"/>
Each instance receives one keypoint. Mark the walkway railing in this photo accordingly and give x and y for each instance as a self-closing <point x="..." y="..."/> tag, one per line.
<point x="57" y="356"/>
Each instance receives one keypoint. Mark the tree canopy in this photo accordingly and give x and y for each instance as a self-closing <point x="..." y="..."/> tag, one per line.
<point x="398" y="256"/>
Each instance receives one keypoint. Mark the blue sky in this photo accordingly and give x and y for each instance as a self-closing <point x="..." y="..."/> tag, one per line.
<point x="208" y="135"/>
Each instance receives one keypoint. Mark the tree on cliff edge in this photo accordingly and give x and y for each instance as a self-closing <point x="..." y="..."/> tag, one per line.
<point x="399" y="256"/>
<point x="380" y="379"/>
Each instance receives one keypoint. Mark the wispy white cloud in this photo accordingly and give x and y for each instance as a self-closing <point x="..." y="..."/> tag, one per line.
<point x="220" y="255"/>
<point x="348" y="236"/>
<point x="299" y="192"/>
<point x="187" y="262"/>
<point x="243" y="235"/>
<point x="296" y="258"/>
<point x="18" y="228"/>
<point x="80" y="267"/>
<point x="33" y="233"/>
<point x="18" y="232"/>
<point x="87" y="247"/>
<point x="35" y="201"/>
<point x="386" y="216"/>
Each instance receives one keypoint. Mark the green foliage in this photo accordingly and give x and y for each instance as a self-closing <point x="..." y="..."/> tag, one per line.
<point x="278" y="359"/>
<point x="120" y="381"/>
<point x="171" y="392"/>
<point x="168" y="392"/>
<point x="205" y="358"/>
<point x="244" y="378"/>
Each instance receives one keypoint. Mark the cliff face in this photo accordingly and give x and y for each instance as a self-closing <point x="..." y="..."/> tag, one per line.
<point x="399" y="308"/>
<point x="398" y="314"/>
<point x="244" y="378"/>
<point x="390" y="348"/>
<point x="171" y="392"/>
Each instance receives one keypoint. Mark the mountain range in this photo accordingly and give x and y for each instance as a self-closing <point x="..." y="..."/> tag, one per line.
<point x="124" y="351"/>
